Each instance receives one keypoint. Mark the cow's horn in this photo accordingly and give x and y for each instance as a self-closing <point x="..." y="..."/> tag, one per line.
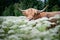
<point x="20" y="9"/>
<point x="43" y="9"/>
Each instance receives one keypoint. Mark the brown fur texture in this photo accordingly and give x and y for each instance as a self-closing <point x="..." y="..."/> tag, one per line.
<point x="32" y="13"/>
<point x="47" y="14"/>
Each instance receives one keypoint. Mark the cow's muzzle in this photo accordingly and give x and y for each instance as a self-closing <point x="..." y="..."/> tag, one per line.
<point x="30" y="19"/>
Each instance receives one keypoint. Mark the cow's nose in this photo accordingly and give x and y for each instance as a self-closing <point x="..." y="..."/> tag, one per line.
<point x="30" y="19"/>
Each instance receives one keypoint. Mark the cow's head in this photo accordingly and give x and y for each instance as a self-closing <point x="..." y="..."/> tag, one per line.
<point x="31" y="12"/>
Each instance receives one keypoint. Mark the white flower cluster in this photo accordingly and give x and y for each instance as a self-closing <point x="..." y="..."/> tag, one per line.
<point x="20" y="28"/>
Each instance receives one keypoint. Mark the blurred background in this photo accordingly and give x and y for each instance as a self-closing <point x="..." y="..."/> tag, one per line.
<point x="9" y="7"/>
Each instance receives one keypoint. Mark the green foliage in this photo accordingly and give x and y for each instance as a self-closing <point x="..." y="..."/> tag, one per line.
<point x="55" y="8"/>
<point x="53" y="5"/>
<point x="16" y="12"/>
<point x="9" y="8"/>
<point x="8" y="11"/>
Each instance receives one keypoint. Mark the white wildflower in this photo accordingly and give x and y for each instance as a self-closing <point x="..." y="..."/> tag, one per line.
<point x="1" y="30"/>
<point x="48" y="38"/>
<point x="31" y="23"/>
<point x="44" y="19"/>
<point x="57" y="16"/>
<point x="51" y="18"/>
<point x="7" y="23"/>
<point x="47" y="23"/>
<point x="13" y="37"/>
<point x="36" y="39"/>
<point x="22" y="26"/>
<point x="43" y="34"/>
<point x="1" y="39"/>
<point x="38" y="25"/>
<point x="4" y="26"/>
<point x="14" y="27"/>
<point x="34" y="32"/>
<point x="26" y="28"/>
<point x="11" y="31"/>
<point x="22" y="17"/>
<point x="2" y="35"/>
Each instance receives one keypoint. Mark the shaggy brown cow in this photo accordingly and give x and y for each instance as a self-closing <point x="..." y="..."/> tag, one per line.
<point x="32" y="13"/>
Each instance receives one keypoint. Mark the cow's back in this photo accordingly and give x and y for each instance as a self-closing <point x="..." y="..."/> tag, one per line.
<point x="51" y="14"/>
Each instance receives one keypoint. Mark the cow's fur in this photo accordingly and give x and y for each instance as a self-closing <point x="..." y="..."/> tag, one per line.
<point x="33" y="14"/>
<point x="46" y="14"/>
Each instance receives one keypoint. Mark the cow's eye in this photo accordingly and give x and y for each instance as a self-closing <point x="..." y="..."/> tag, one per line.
<point x="36" y="13"/>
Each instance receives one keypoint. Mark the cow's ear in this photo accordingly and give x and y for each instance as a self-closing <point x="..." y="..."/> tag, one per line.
<point x="22" y="10"/>
<point x="24" y="13"/>
<point x="37" y="13"/>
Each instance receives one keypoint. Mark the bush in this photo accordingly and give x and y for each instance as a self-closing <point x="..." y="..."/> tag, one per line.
<point x="20" y="28"/>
